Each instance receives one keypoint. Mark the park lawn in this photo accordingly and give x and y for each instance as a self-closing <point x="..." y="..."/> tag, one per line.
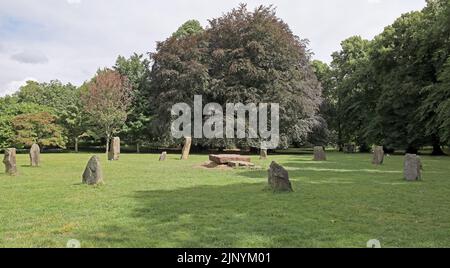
<point x="343" y="202"/>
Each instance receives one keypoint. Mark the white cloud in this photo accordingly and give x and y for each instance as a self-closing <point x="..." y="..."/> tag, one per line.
<point x="13" y="86"/>
<point x="80" y="40"/>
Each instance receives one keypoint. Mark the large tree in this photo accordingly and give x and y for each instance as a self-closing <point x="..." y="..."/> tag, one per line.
<point x="137" y="70"/>
<point x="107" y="100"/>
<point x="242" y="57"/>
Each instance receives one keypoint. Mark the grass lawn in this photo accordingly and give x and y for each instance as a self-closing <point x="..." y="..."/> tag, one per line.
<point x="343" y="202"/>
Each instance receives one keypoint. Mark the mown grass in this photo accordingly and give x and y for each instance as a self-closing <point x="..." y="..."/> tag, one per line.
<point x="343" y="202"/>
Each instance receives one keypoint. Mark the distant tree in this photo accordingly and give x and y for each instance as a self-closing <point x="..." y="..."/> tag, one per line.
<point x="10" y="107"/>
<point x="136" y="69"/>
<point x="327" y="129"/>
<point x="243" y="56"/>
<point x="40" y="128"/>
<point x="64" y="100"/>
<point x="107" y="100"/>
<point x="355" y="106"/>
<point x="188" y="28"/>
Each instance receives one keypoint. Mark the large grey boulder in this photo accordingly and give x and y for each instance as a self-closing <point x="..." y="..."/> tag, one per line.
<point x="10" y="161"/>
<point x="93" y="173"/>
<point x="186" y="148"/>
<point x="319" y="154"/>
<point x="378" y="155"/>
<point x="412" y="169"/>
<point x="279" y="178"/>
<point x="35" y="155"/>
<point x="114" y="149"/>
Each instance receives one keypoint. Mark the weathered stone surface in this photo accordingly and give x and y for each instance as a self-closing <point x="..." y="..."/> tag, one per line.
<point x="163" y="156"/>
<point x="378" y="155"/>
<point x="279" y="178"/>
<point x="319" y="154"/>
<point x="35" y="155"/>
<point x="412" y="167"/>
<point x="186" y="148"/>
<point x="236" y="164"/>
<point x="263" y="154"/>
<point x="223" y="159"/>
<point x="114" y="149"/>
<point x="93" y="173"/>
<point x="349" y="148"/>
<point x="10" y="161"/>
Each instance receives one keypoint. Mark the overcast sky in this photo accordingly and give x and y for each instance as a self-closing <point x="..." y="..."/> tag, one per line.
<point x="70" y="39"/>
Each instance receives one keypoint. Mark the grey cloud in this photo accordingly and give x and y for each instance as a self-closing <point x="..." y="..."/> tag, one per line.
<point x="30" y="57"/>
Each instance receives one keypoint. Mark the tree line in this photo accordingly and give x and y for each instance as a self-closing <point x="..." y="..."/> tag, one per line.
<point x="393" y="90"/>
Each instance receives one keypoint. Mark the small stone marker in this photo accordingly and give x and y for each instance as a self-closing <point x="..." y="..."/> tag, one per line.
<point x="319" y="154"/>
<point x="263" y="154"/>
<point x="378" y="155"/>
<point x="114" y="149"/>
<point x="10" y="161"/>
<point x="163" y="156"/>
<point x="279" y="178"/>
<point x="412" y="167"/>
<point x="35" y="155"/>
<point x="93" y="173"/>
<point x="186" y="148"/>
<point x="349" y="148"/>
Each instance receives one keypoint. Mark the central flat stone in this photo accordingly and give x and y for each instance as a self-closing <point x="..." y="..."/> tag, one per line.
<point x="223" y="159"/>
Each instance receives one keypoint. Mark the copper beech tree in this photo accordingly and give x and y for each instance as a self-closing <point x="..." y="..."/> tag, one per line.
<point x="107" y="100"/>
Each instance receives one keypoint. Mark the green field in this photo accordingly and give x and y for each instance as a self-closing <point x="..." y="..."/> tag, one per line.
<point x="343" y="202"/>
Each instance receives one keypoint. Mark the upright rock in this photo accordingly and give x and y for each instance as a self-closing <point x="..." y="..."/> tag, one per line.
<point x="93" y="173"/>
<point x="10" y="161"/>
<point x="263" y="154"/>
<point x="163" y="156"/>
<point x="114" y="149"/>
<point x="279" y="178"/>
<point x="186" y="148"/>
<point x="412" y="167"/>
<point x="378" y="155"/>
<point x="35" y="155"/>
<point x="319" y="154"/>
<point x="349" y="148"/>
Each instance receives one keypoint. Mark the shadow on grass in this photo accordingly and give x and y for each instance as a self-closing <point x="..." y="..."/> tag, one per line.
<point x="238" y="215"/>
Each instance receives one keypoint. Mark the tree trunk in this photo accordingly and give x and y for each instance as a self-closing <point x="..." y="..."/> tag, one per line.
<point x="76" y="144"/>
<point x="437" y="149"/>
<point x="108" y="137"/>
<point x="138" y="149"/>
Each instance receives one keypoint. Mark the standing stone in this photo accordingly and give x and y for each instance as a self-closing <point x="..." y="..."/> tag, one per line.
<point x="186" y="148"/>
<point x="93" y="173"/>
<point x="412" y="167"/>
<point x="378" y="155"/>
<point x="319" y="154"/>
<point x="163" y="156"/>
<point x="263" y="154"/>
<point x="10" y="161"/>
<point x="279" y="178"/>
<point x="35" y="155"/>
<point x="349" y="148"/>
<point x="114" y="149"/>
